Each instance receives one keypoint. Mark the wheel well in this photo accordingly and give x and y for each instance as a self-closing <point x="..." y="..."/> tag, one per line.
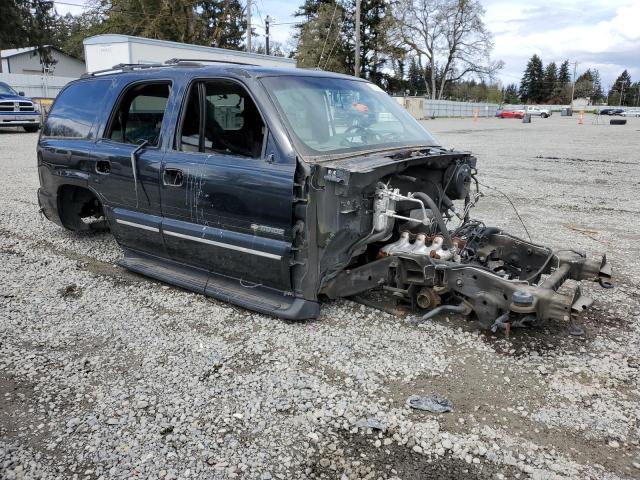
<point x="80" y="209"/>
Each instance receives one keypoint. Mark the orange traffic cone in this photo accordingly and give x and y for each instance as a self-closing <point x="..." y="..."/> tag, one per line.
<point x="581" y="118"/>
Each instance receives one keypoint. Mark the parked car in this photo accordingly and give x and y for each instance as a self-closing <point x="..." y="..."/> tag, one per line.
<point x="633" y="112"/>
<point x="538" y="111"/>
<point x="235" y="182"/>
<point x="16" y="110"/>
<point x="512" y="114"/>
<point x="611" y="111"/>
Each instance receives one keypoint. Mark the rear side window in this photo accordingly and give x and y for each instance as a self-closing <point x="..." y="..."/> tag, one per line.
<point x="75" y="110"/>
<point x="138" y="116"/>
<point x="220" y="117"/>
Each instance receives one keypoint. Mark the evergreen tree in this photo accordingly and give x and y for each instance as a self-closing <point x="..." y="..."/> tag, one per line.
<point x="564" y="76"/>
<point x="597" y="94"/>
<point x="563" y="87"/>
<point x="620" y="93"/>
<point x="532" y="84"/>
<point x="584" y="85"/>
<point x="550" y="82"/>
<point x="322" y="41"/>
<point x="14" y="26"/>
<point x="375" y="51"/>
<point x="510" y="94"/>
<point x="223" y="23"/>
<point x="415" y="78"/>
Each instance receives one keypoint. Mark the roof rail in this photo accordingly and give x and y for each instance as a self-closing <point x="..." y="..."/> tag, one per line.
<point x="123" y="67"/>
<point x="128" y="67"/>
<point x="176" y="61"/>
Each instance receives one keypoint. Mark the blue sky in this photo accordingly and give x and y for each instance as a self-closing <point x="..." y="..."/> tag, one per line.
<point x="602" y="34"/>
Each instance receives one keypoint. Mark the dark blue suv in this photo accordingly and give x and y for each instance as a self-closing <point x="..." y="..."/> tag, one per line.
<point x="275" y="188"/>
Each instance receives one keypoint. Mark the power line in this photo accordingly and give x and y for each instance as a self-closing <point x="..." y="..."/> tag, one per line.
<point x="328" y="32"/>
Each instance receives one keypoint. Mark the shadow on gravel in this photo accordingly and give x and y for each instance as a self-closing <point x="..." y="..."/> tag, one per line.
<point x="401" y="461"/>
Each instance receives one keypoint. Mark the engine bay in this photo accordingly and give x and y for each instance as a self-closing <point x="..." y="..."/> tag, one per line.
<point x="430" y="254"/>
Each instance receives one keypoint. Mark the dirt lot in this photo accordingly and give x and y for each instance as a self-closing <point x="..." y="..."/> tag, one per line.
<point x="106" y="374"/>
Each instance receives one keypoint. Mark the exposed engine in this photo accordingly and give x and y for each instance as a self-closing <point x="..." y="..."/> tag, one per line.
<point x="426" y="252"/>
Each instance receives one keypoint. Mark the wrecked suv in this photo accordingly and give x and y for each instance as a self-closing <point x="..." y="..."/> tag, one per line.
<point x="276" y="188"/>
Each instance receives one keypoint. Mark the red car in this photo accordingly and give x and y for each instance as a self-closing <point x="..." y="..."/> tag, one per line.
<point x="511" y="114"/>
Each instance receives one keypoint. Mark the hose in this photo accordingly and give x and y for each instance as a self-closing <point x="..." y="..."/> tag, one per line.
<point x="448" y="241"/>
<point x="443" y="308"/>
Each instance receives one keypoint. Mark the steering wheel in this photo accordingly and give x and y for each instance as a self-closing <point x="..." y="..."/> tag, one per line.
<point x="357" y="131"/>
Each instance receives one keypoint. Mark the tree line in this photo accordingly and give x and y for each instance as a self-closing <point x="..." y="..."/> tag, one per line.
<point x="439" y="48"/>
<point x="554" y="85"/>
<point x="429" y="47"/>
<point x="435" y="48"/>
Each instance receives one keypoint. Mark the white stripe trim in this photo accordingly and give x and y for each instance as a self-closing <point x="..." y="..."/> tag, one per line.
<point x="224" y="245"/>
<point x="138" y="225"/>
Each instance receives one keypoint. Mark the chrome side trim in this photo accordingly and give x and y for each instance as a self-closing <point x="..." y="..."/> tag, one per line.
<point x="224" y="245"/>
<point x="138" y="225"/>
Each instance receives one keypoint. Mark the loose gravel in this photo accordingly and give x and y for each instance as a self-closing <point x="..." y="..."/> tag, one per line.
<point x="107" y="374"/>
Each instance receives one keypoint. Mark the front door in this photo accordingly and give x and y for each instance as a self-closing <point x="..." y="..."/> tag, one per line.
<point x="128" y="164"/>
<point x="226" y="194"/>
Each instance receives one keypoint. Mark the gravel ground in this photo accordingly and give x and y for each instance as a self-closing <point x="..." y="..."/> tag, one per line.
<point x="106" y="374"/>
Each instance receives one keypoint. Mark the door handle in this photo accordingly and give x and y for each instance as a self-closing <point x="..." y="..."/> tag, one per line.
<point x="103" y="167"/>
<point x="172" y="177"/>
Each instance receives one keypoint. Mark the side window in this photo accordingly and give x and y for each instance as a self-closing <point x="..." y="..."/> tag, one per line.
<point x="138" y="116"/>
<point x="75" y="110"/>
<point x="189" y="135"/>
<point x="232" y="124"/>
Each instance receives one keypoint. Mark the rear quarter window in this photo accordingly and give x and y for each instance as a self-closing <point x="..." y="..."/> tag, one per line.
<point x="75" y="110"/>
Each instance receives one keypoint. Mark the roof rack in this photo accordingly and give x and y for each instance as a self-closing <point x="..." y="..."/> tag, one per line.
<point x="176" y="61"/>
<point x="128" y="67"/>
<point x="123" y="67"/>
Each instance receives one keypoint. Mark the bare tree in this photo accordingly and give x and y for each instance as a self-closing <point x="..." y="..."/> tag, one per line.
<point x="450" y="35"/>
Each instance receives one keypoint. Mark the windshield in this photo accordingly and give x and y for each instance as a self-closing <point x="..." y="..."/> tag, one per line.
<point x="329" y="116"/>
<point x="7" y="90"/>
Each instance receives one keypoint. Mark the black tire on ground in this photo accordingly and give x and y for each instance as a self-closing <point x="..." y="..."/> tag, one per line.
<point x="544" y="115"/>
<point x="618" y="121"/>
<point x="31" y="128"/>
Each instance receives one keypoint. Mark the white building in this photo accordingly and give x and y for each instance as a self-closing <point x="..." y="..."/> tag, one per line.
<point x="26" y="61"/>
<point x="102" y="52"/>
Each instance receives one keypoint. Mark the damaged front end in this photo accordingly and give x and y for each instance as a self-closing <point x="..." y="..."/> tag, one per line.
<point x="389" y="222"/>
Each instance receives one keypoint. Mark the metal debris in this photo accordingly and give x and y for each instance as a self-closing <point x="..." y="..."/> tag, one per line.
<point x="432" y="403"/>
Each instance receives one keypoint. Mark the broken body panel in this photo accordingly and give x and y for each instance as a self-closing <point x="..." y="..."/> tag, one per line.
<point x="281" y="228"/>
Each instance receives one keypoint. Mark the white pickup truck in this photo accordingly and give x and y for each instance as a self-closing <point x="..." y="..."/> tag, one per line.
<point x="539" y="111"/>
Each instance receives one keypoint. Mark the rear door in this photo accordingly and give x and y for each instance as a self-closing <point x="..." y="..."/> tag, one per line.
<point x="226" y="191"/>
<point x="128" y="161"/>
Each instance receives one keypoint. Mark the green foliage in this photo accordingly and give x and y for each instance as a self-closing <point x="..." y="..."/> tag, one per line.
<point x="314" y="36"/>
<point x="532" y="84"/>
<point x="550" y="80"/>
<point x="621" y="92"/>
<point x="564" y="76"/>
<point x="322" y="42"/>
<point x="510" y="94"/>
<point x="14" y="28"/>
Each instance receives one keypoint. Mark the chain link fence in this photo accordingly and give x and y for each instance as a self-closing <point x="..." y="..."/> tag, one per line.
<point x="421" y="108"/>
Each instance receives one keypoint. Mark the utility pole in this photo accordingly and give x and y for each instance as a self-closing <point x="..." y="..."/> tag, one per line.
<point x="573" y="87"/>
<point x="267" y="21"/>
<point x="622" y="94"/>
<point x="357" y="66"/>
<point x="248" y="25"/>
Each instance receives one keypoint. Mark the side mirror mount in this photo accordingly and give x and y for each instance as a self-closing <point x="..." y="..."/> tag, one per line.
<point x="21" y="94"/>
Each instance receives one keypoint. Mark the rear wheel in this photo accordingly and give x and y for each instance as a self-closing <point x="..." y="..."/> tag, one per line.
<point x="31" y="128"/>
<point x="544" y="115"/>
<point x="80" y="210"/>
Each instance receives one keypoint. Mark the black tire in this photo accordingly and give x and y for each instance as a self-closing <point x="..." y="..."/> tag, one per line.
<point x="617" y="121"/>
<point x="544" y="115"/>
<point x="31" y="128"/>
